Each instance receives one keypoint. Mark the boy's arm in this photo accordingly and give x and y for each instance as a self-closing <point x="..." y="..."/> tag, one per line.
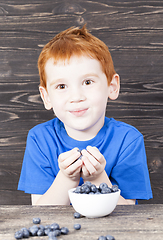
<point x="68" y="177"/>
<point x="57" y="194"/>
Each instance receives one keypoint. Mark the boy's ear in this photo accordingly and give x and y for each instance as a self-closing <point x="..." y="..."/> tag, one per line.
<point x="114" y="87"/>
<point x="45" y="98"/>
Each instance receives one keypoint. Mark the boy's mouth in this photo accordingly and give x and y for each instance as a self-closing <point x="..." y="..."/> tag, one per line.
<point x="79" y="112"/>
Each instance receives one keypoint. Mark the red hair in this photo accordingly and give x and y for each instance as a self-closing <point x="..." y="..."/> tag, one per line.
<point x="78" y="42"/>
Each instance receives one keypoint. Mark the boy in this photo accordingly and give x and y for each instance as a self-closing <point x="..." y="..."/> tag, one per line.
<point x="77" y="77"/>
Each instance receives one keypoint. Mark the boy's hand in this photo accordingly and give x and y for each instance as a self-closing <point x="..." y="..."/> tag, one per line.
<point x="68" y="164"/>
<point x="93" y="163"/>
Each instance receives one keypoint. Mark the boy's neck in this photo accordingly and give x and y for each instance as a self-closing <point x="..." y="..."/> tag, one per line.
<point x="83" y="135"/>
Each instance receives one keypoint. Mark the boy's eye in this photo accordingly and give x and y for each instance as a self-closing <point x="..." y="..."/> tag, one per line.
<point x="87" y="82"/>
<point x="61" y="86"/>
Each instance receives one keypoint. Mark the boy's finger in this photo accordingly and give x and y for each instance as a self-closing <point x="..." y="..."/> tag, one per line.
<point x="67" y="154"/>
<point x="92" y="159"/>
<point x="97" y="155"/>
<point x="74" y="168"/>
<point x="89" y="166"/>
<point x="94" y="152"/>
<point x="85" y="172"/>
<point x="69" y="160"/>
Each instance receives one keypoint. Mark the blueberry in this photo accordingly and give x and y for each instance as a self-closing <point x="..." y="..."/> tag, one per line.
<point x="79" y="157"/>
<point x="41" y="227"/>
<point x="93" y="188"/>
<point x="57" y="232"/>
<point x="40" y="232"/>
<point x="25" y="232"/>
<point x="77" y="215"/>
<point x="18" y="235"/>
<point x="103" y="185"/>
<point x="47" y="226"/>
<point x="106" y="190"/>
<point x="51" y="234"/>
<point x="33" y="230"/>
<point x="89" y="188"/>
<point x="54" y="233"/>
<point x="85" y="188"/>
<point x="36" y="220"/>
<point x="115" y="188"/>
<point x="109" y="237"/>
<point x="46" y="231"/>
<point x="64" y="230"/>
<point x="102" y="238"/>
<point x="88" y="183"/>
<point x="78" y="189"/>
<point x="77" y="226"/>
<point x="54" y="226"/>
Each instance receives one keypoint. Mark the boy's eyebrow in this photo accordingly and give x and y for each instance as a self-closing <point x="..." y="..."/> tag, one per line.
<point x="56" y="80"/>
<point x="90" y="74"/>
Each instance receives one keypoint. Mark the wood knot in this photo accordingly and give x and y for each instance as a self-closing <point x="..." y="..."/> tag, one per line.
<point x="68" y="8"/>
<point x="155" y="165"/>
<point x="3" y="12"/>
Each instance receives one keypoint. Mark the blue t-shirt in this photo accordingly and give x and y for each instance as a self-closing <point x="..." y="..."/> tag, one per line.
<point x="121" y="144"/>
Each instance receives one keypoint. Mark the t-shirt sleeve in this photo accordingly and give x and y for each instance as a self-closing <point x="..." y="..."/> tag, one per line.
<point x="36" y="174"/>
<point x="131" y="171"/>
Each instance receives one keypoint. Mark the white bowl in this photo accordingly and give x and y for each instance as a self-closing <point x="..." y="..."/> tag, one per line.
<point x="94" y="205"/>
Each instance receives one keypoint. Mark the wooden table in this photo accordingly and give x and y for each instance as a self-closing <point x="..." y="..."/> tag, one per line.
<point x="139" y="222"/>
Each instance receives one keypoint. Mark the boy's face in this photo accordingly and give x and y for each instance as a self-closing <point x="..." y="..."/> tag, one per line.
<point x="78" y="92"/>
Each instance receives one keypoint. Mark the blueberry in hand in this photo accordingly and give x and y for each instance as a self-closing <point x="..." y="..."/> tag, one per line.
<point x="79" y="157"/>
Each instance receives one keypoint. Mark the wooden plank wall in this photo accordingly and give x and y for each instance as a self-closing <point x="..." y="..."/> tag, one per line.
<point x="133" y="31"/>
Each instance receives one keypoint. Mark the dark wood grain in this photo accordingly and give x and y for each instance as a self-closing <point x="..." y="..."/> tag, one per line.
<point x="133" y="31"/>
<point x="125" y="222"/>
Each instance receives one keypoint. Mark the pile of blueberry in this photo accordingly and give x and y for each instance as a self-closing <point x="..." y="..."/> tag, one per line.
<point x="89" y="188"/>
<point x="52" y="231"/>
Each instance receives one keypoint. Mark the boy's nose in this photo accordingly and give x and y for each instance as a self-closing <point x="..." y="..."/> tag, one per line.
<point x="77" y="95"/>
